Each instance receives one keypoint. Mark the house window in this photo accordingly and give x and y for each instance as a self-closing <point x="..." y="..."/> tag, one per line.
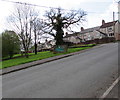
<point x="111" y="34"/>
<point x="110" y="29"/>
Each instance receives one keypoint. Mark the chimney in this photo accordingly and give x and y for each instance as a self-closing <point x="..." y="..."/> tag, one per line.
<point x="66" y="33"/>
<point x="46" y="40"/>
<point x="82" y="29"/>
<point x="103" y="22"/>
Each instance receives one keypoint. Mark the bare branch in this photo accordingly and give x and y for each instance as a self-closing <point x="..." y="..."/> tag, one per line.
<point x="59" y="20"/>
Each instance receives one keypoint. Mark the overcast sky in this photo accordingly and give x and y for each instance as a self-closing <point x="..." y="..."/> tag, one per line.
<point x="96" y="10"/>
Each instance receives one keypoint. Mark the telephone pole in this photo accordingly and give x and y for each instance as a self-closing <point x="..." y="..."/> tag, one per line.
<point x="119" y="11"/>
<point x="113" y="16"/>
<point x="114" y="24"/>
<point x="119" y="20"/>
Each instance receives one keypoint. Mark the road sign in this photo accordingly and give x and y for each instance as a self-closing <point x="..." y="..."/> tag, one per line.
<point x="60" y="49"/>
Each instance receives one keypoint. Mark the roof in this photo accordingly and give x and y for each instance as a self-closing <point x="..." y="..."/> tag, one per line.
<point x="84" y="31"/>
<point x="102" y="33"/>
<point x="69" y="35"/>
<point x="108" y="24"/>
<point x="90" y="29"/>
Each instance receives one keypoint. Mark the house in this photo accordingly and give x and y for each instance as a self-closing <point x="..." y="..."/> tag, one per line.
<point x="112" y="29"/>
<point x="90" y="34"/>
<point x="47" y="45"/>
<point x="73" y="38"/>
<point x="109" y="29"/>
<point x="85" y="35"/>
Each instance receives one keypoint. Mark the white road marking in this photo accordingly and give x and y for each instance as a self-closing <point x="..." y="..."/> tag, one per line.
<point x="109" y="89"/>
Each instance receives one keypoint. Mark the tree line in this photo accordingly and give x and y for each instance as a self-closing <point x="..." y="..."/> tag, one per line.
<point x="28" y="26"/>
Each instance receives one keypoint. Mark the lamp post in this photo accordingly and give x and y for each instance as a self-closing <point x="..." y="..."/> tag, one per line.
<point x="119" y="11"/>
<point x="119" y="20"/>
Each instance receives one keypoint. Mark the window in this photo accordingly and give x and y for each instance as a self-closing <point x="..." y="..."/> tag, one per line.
<point x="110" y="29"/>
<point x="111" y="34"/>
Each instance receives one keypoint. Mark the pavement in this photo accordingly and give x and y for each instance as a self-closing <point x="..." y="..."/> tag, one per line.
<point x="84" y="75"/>
<point x="38" y="62"/>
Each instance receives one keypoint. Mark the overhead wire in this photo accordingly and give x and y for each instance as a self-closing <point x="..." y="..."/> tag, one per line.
<point x="16" y="2"/>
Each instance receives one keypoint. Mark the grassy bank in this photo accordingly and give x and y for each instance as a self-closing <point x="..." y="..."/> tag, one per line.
<point x="39" y="56"/>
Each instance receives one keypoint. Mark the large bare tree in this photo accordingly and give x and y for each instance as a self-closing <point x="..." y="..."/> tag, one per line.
<point x="59" y="19"/>
<point x="22" y="20"/>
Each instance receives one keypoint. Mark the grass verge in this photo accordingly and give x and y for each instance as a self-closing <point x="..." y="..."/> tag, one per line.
<point x="39" y="56"/>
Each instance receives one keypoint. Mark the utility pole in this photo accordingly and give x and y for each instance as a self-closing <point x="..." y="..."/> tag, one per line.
<point x="119" y="20"/>
<point x="114" y="24"/>
<point x="119" y="11"/>
<point x="113" y="16"/>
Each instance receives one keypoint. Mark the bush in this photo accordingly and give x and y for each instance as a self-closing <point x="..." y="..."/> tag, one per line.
<point x="10" y="44"/>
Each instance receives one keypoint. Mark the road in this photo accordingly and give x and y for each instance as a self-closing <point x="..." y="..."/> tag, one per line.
<point x="86" y="75"/>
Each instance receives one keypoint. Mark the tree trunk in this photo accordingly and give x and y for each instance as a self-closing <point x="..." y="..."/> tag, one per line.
<point x="11" y="54"/>
<point x="35" y="48"/>
<point x="59" y="37"/>
<point x="35" y="39"/>
<point x="26" y="53"/>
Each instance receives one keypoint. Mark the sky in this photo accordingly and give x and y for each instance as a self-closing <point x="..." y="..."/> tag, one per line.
<point x="97" y="10"/>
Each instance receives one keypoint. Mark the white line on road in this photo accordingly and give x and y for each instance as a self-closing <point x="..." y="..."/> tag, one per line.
<point x="109" y="89"/>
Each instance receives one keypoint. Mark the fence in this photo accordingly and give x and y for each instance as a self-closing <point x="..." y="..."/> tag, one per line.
<point x="100" y="41"/>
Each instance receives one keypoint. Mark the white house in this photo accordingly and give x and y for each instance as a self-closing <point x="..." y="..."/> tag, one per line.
<point x="46" y="45"/>
<point x="73" y="38"/>
<point x="98" y="35"/>
<point x="112" y="29"/>
<point x="89" y="34"/>
<point x="109" y="29"/>
<point x="85" y="35"/>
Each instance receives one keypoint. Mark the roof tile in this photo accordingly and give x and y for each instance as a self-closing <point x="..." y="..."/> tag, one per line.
<point x="108" y="24"/>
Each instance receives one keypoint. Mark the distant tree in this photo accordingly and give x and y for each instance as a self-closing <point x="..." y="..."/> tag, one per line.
<point x="37" y="26"/>
<point x="10" y="43"/>
<point x="58" y="20"/>
<point x="21" y="21"/>
<point x="0" y="47"/>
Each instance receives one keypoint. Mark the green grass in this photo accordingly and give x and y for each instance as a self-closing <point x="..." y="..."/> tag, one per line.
<point x="15" y="55"/>
<point x="82" y="45"/>
<point x="76" y="49"/>
<point x="33" y="57"/>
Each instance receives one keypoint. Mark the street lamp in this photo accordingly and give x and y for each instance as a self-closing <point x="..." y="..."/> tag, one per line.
<point x="119" y="11"/>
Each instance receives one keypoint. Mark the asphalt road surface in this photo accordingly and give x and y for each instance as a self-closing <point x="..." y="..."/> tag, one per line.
<point x="86" y="75"/>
